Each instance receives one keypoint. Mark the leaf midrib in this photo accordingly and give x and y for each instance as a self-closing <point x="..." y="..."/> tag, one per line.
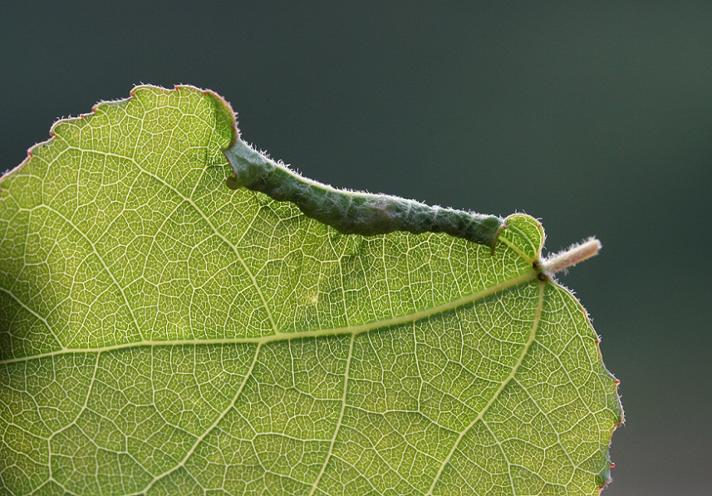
<point x="522" y="278"/>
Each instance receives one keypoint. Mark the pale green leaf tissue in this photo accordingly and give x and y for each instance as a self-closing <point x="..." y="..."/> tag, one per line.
<point x="161" y="333"/>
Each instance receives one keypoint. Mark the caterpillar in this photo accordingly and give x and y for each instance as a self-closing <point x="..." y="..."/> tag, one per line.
<point x="354" y="212"/>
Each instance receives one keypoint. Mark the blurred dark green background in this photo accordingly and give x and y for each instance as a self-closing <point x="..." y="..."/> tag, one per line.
<point x="595" y="117"/>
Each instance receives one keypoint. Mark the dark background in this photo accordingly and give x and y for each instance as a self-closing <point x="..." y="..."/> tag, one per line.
<point x="595" y="117"/>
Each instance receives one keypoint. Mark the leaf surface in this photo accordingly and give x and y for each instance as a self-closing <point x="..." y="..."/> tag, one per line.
<point x="161" y="333"/>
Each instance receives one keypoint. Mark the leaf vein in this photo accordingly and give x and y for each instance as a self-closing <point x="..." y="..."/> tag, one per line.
<point x="507" y="380"/>
<point x="522" y="278"/>
<point x="339" y="421"/>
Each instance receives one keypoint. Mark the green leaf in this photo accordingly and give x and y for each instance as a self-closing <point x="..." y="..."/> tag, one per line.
<point x="162" y="333"/>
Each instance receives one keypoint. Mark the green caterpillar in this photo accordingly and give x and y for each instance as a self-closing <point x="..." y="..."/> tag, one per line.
<point x="354" y="212"/>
